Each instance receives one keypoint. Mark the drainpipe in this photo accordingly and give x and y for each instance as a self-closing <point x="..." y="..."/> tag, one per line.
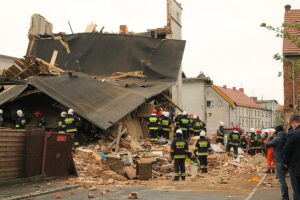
<point x="294" y="90"/>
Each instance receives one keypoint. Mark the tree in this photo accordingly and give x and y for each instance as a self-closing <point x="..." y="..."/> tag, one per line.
<point x="281" y="32"/>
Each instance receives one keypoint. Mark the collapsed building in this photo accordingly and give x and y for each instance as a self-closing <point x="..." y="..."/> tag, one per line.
<point x="104" y="78"/>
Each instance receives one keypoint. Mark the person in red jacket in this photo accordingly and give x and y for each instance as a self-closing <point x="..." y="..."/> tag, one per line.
<point x="270" y="158"/>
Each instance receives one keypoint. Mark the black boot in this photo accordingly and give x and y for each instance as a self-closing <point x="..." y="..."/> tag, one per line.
<point x="273" y="171"/>
<point x="205" y="170"/>
<point x="176" y="178"/>
<point x="183" y="178"/>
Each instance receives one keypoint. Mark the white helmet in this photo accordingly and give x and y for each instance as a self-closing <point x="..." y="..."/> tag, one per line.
<point x="202" y="133"/>
<point x="164" y="113"/>
<point x="184" y="113"/>
<point x="1" y="111"/>
<point x="20" y="113"/>
<point x="167" y="114"/>
<point x="63" y="114"/>
<point x="221" y="123"/>
<point x="252" y="130"/>
<point x="179" y="131"/>
<point x="70" y="111"/>
<point x="195" y="116"/>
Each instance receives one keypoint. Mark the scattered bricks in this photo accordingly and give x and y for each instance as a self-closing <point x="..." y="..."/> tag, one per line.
<point x="92" y="189"/>
<point x="164" y="168"/>
<point x="91" y="196"/>
<point x="102" y="193"/>
<point x="130" y="172"/>
<point x="133" y="195"/>
<point x="110" y="181"/>
<point x="59" y="196"/>
<point x="71" y="193"/>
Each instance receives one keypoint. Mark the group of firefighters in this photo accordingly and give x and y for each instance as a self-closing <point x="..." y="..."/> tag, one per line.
<point x="191" y="125"/>
<point x="252" y="143"/>
<point x="67" y="123"/>
<point x="185" y="127"/>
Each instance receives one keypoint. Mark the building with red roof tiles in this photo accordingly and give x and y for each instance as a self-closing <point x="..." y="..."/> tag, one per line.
<point x="233" y="107"/>
<point x="292" y="53"/>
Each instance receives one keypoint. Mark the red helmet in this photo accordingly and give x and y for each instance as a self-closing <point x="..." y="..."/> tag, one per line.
<point x="154" y="111"/>
<point x="235" y="128"/>
<point x="38" y="113"/>
<point x="198" y="117"/>
<point x="258" y="131"/>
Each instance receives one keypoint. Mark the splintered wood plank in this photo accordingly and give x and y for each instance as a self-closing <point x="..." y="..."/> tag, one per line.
<point x="20" y="64"/>
<point x="15" y="70"/>
<point x="9" y="74"/>
<point x="53" y="58"/>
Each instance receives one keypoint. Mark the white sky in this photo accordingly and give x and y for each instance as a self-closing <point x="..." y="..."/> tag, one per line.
<point x="224" y="39"/>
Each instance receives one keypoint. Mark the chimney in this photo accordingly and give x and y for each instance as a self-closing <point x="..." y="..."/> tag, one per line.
<point x="254" y="98"/>
<point x="225" y="86"/>
<point x="123" y="29"/>
<point x="234" y="88"/>
<point x="287" y="7"/>
<point x="241" y="90"/>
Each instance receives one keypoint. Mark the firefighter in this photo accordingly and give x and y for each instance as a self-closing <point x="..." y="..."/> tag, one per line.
<point x="61" y="123"/>
<point x="198" y="126"/>
<point x="21" y="121"/>
<point x="166" y="125"/>
<point x="233" y="141"/>
<point x="252" y="147"/>
<point x="1" y="117"/>
<point x="177" y="120"/>
<point x="259" y="142"/>
<point x="153" y="124"/>
<point x="71" y="126"/>
<point x="191" y="122"/>
<point x="179" y="150"/>
<point x="184" y="125"/>
<point x="40" y="119"/>
<point x="243" y="142"/>
<point x="202" y="150"/>
<point x="203" y="125"/>
<point x="220" y="133"/>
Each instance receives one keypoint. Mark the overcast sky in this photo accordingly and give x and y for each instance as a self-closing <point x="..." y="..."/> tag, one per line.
<point x="224" y="39"/>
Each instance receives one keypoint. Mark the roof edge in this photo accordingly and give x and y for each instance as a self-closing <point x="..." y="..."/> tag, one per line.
<point x="222" y="94"/>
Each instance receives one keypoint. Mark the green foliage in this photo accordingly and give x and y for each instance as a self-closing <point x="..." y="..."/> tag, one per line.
<point x="281" y="32"/>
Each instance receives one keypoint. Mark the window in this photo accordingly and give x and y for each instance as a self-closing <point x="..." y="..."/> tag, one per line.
<point x="209" y="104"/>
<point x="220" y="103"/>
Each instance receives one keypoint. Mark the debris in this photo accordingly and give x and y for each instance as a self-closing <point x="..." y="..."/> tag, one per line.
<point x="91" y="196"/>
<point x="254" y="180"/>
<point x="144" y="168"/>
<point x="133" y="195"/>
<point x="130" y="172"/>
<point x="59" y="196"/>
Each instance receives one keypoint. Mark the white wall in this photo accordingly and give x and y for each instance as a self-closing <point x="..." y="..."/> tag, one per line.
<point x="193" y="96"/>
<point x="220" y="111"/>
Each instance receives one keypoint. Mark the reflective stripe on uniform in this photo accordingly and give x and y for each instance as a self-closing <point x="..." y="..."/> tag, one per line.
<point x="185" y="121"/>
<point x="183" y="129"/>
<point x="153" y="119"/>
<point x="76" y="143"/>
<point x="153" y="128"/>
<point x="203" y="144"/>
<point x="180" y="145"/>
<point x="23" y="122"/>
<point x="202" y="154"/>
<point x="166" y="129"/>
<point x="71" y="130"/>
<point x="61" y="132"/>
<point x="69" y="120"/>
<point x="17" y="126"/>
<point x="179" y="156"/>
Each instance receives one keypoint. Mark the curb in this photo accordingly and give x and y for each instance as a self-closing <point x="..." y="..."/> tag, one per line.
<point x="35" y="194"/>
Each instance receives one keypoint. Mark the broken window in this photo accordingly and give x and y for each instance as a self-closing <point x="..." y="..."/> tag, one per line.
<point x="209" y="104"/>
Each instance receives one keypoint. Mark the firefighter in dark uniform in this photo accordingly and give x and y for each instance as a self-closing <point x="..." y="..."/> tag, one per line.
<point x="202" y="150"/>
<point x="233" y="141"/>
<point x="243" y="143"/>
<point x="71" y="122"/>
<point x="184" y="125"/>
<point x="259" y="142"/>
<point x="203" y="125"/>
<point x="198" y="125"/>
<point x="191" y="127"/>
<point x="41" y="123"/>
<point x="21" y="121"/>
<point x="153" y="125"/>
<point x="177" y="121"/>
<point x="252" y="144"/>
<point x="220" y="133"/>
<point x="61" y="123"/>
<point x="166" y="125"/>
<point x="179" y="150"/>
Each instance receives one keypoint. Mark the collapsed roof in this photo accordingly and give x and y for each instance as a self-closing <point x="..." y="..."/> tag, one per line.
<point x="95" y="57"/>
